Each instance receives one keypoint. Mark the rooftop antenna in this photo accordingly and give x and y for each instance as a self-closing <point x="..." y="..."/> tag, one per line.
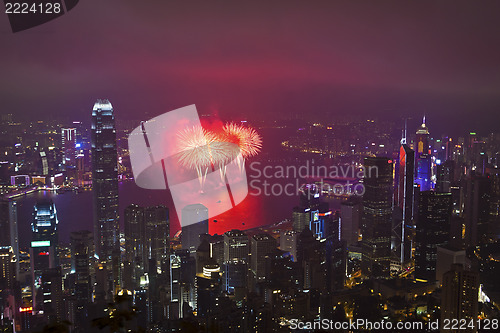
<point x="403" y="136"/>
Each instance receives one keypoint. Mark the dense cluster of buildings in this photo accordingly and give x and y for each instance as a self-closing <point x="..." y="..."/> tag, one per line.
<point x="420" y="244"/>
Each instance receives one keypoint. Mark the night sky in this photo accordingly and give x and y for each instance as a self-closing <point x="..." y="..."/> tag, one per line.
<point x="386" y="58"/>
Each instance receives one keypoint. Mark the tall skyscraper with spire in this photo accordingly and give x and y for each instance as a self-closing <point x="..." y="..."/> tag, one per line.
<point x="404" y="211"/>
<point x="423" y="158"/>
<point x="105" y="179"/>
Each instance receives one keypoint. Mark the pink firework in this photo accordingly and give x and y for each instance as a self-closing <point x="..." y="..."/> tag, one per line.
<point x="246" y="138"/>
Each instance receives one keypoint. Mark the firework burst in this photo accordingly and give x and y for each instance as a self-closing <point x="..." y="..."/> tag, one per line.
<point x="247" y="139"/>
<point x="201" y="150"/>
<point x="194" y="147"/>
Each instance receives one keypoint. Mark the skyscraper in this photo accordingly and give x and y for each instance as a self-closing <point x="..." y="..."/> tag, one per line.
<point x="52" y="286"/>
<point x="45" y="222"/>
<point x="423" y="172"/>
<point x="301" y="217"/>
<point x="44" y="247"/>
<point x="42" y="257"/>
<point x="433" y="230"/>
<point x="208" y="285"/>
<point x="376" y="223"/>
<point x="459" y="300"/>
<point x="68" y="146"/>
<point x="235" y="277"/>
<point x="146" y="239"/>
<point x="8" y="225"/>
<point x="182" y="282"/>
<point x="236" y="246"/>
<point x="446" y="257"/>
<point x="350" y="214"/>
<point x="44" y="227"/>
<point x="288" y="242"/>
<point x="105" y="179"/>
<point x="7" y="268"/>
<point x="403" y="225"/>
<point x="477" y="210"/>
<point x="445" y="176"/>
<point x="82" y="245"/>
<point x="82" y="252"/>
<point x="192" y="229"/>
<point x="310" y="255"/>
<point x="157" y="235"/>
<point x="261" y="246"/>
<point x="135" y="241"/>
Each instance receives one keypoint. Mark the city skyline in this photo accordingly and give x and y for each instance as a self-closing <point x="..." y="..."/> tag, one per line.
<point x="253" y="167"/>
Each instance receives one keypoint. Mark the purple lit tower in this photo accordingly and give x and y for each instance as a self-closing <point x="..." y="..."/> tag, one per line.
<point x="423" y="158"/>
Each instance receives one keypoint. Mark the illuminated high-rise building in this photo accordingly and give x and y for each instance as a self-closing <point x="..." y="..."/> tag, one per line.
<point x="52" y="286"/>
<point x="44" y="247"/>
<point x="459" y="300"/>
<point x="42" y="257"/>
<point x="8" y="225"/>
<point x="45" y="225"/>
<point x="135" y="241"/>
<point x="288" y="242"/>
<point x="236" y="262"/>
<point x="45" y="222"/>
<point x="44" y="163"/>
<point x="236" y="246"/>
<point x="175" y="278"/>
<point x="7" y="268"/>
<point x="432" y="230"/>
<point x="404" y="210"/>
<point x="208" y="288"/>
<point x="82" y="253"/>
<point x="105" y="179"/>
<point x="423" y="172"/>
<point x="261" y="246"/>
<point x="470" y="148"/>
<point x="376" y="223"/>
<point x="146" y="239"/>
<point x="312" y="213"/>
<point x="301" y="217"/>
<point x="157" y="235"/>
<point x="81" y="242"/>
<point x="445" y="176"/>
<point x="182" y="282"/>
<point x="68" y="146"/>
